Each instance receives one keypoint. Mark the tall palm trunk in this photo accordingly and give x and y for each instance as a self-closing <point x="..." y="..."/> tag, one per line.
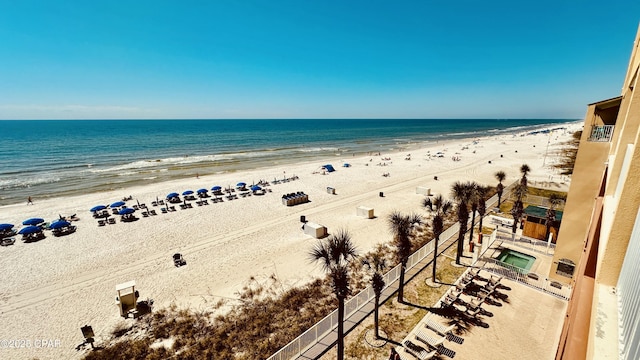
<point x="340" y="327"/>
<point x="435" y="257"/>
<point x="403" y="267"/>
<point x="473" y="221"/>
<point x="463" y="215"/>
<point x="375" y="316"/>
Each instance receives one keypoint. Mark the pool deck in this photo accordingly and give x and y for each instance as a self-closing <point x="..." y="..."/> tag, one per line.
<point x="528" y="326"/>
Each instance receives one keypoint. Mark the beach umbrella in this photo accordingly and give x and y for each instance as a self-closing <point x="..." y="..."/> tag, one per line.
<point x="126" y="211"/>
<point x="216" y="188"/>
<point x="172" y="195"/>
<point x="202" y="191"/>
<point x="255" y="188"/>
<point x="33" y="221"/>
<point x="6" y="227"/>
<point x="98" y="208"/>
<point x="29" y="230"/>
<point x="187" y="192"/>
<point x="59" y="224"/>
<point x="117" y="204"/>
<point x="241" y="184"/>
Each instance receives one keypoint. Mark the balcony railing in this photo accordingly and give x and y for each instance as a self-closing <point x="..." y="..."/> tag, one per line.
<point x="601" y="133"/>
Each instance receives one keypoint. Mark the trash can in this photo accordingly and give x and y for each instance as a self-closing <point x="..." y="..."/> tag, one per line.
<point x="381" y="194"/>
<point x="303" y="219"/>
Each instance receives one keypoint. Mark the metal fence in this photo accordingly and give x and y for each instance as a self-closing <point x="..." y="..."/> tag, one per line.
<point x="330" y="322"/>
<point x="517" y="274"/>
<point x="537" y="200"/>
<point x="528" y="243"/>
<point x="526" y="278"/>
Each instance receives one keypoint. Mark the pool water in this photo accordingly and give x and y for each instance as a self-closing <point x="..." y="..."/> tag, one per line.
<point x="517" y="259"/>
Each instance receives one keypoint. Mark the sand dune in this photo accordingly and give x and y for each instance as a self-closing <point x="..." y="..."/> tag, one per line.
<point x="53" y="287"/>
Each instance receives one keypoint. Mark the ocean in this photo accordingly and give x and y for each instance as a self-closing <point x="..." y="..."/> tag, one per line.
<point x="51" y="158"/>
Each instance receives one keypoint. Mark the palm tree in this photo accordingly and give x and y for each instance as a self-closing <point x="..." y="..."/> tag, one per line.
<point x="402" y="228"/>
<point x="378" y="264"/>
<point x="482" y="205"/>
<point x="442" y="208"/>
<point x="554" y="200"/>
<point x="474" y="198"/>
<point x="524" y="169"/>
<point x="517" y="210"/>
<point x="335" y="254"/>
<point x="500" y="175"/>
<point x="461" y="193"/>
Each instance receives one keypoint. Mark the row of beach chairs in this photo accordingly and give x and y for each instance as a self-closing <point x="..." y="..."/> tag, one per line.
<point x="428" y="341"/>
<point x="285" y="180"/>
<point x="109" y="221"/>
<point x="466" y="297"/>
<point x="295" y="198"/>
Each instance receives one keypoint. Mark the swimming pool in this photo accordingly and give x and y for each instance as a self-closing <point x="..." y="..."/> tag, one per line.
<point x="517" y="259"/>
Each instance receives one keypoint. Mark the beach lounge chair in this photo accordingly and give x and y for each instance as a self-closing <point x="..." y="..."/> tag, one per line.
<point x="145" y="214"/>
<point x="111" y="221"/>
<point x="429" y="340"/>
<point x="418" y="351"/>
<point x="101" y="223"/>
<point x="7" y="241"/>
<point x="178" y="260"/>
<point x="438" y="327"/>
<point x="153" y="212"/>
<point x="163" y="210"/>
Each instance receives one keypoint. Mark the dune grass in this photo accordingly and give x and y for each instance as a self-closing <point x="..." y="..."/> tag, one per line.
<point x="267" y="318"/>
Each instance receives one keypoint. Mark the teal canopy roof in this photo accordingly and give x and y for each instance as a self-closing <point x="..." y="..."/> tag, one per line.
<point x="540" y="212"/>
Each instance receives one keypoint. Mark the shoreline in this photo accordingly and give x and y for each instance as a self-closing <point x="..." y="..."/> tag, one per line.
<point x="120" y="173"/>
<point x="72" y="278"/>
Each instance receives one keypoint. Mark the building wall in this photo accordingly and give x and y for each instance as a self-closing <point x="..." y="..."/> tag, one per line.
<point x="607" y="235"/>
<point x="623" y="192"/>
<point x="586" y="180"/>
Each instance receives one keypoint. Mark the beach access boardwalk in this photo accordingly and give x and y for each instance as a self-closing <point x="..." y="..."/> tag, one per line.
<point x="328" y="341"/>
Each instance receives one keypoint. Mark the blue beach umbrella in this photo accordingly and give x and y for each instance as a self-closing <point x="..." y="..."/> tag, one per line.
<point x="255" y="188"/>
<point x="126" y="211"/>
<point x="6" y="226"/>
<point x="241" y="184"/>
<point x="187" y="192"/>
<point x="98" y="208"/>
<point x="59" y="224"/>
<point x="33" y="221"/>
<point x="117" y="204"/>
<point x="172" y="195"/>
<point x="29" y="230"/>
<point x="216" y="188"/>
<point x="202" y="191"/>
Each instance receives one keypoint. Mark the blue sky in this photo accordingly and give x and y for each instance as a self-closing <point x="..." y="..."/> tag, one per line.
<point x="311" y="59"/>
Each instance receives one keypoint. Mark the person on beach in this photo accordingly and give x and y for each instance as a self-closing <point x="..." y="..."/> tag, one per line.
<point x="29" y="201"/>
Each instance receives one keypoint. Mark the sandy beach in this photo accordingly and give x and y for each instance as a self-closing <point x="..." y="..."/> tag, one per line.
<point x="53" y="287"/>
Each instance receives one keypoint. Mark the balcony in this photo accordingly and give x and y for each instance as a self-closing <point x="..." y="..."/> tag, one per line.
<point x="601" y="133"/>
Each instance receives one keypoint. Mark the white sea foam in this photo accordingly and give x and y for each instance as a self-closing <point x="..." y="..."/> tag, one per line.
<point x="317" y="149"/>
<point x="25" y="182"/>
<point x="141" y="164"/>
